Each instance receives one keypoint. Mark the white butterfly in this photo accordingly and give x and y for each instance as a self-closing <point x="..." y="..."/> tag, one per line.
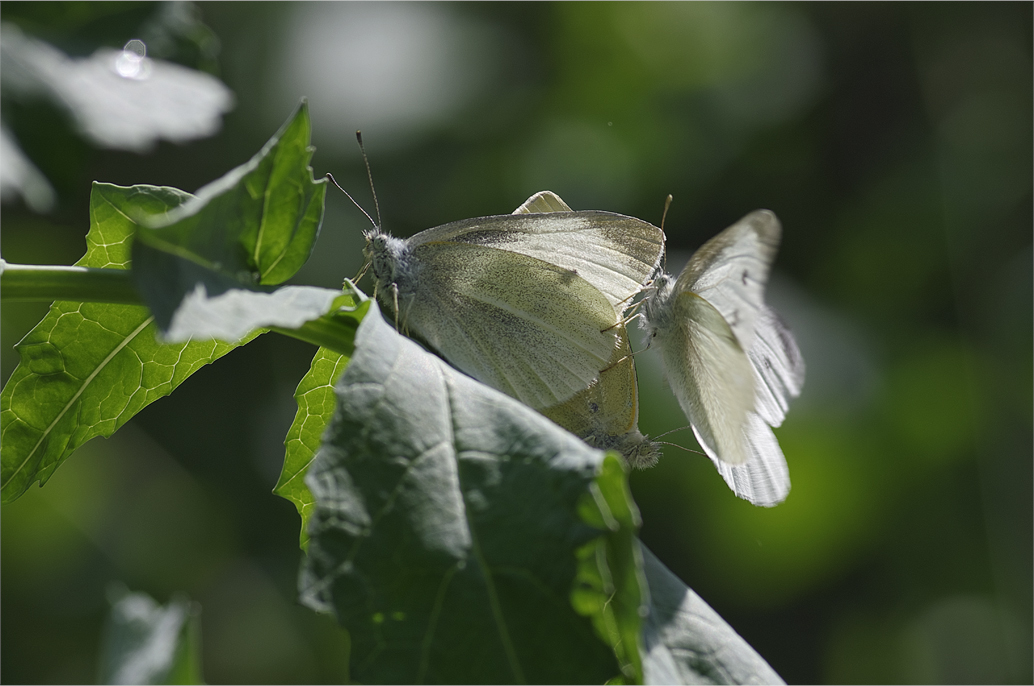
<point x="528" y="302"/>
<point x="730" y="360"/>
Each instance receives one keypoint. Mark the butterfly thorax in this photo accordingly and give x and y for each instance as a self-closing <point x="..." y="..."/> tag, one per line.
<point x="657" y="315"/>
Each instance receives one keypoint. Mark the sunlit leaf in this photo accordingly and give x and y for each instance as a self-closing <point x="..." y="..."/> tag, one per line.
<point x="316" y="402"/>
<point x="234" y="313"/>
<point x="253" y="227"/>
<point x="611" y="587"/>
<point x="87" y="368"/>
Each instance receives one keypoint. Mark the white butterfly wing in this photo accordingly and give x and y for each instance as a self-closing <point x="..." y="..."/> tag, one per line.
<point x="730" y="271"/>
<point x="614" y="253"/>
<point x="764" y="478"/>
<point x="543" y="201"/>
<point x="606" y="414"/>
<point x="709" y="373"/>
<point x="528" y="328"/>
<point x="779" y="366"/>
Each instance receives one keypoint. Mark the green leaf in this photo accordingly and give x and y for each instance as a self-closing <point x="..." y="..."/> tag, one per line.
<point x="689" y="643"/>
<point x="87" y="368"/>
<point x="447" y="524"/>
<point x="316" y="402"/>
<point x="255" y="226"/>
<point x="145" y="643"/>
<point x="611" y="587"/>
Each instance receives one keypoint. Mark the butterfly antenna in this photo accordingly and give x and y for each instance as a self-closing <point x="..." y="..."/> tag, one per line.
<point x="671" y="431"/>
<point x="676" y="445"/>
<point x="348" y="195"/>
<point x="369" y="175"/>
<point x="664" y="215"/>
<point x="681" y="447"/>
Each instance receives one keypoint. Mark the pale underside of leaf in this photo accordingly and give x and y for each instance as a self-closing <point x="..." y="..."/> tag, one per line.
<point x="689" y="643"/>
<point x="428" y="483"/>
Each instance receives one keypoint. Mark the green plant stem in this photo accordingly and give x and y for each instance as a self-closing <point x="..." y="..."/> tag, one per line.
<point x="30" y="282"/>
<point x="47" y="283"/>
<point x="326" y="332"/>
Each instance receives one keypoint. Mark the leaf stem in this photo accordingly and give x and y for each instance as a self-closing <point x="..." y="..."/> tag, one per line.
<point x="327" y="332"/>
<point x="32" y="282"/>
<point x="47" y="283"/>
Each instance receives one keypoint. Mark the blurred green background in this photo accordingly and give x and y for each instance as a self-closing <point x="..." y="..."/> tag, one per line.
<point x="894" y="141"/>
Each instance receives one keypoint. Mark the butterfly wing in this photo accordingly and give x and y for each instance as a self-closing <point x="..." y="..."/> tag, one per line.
<point x="730" y="271"/>
<point x="709" y="373"/>
<point x="779" y="366"/>
<point x="606" y="414"/>
<point x="503" y="338"/>
<point x="614" y="253"/>
<point x="779" y="376"/>
<point x="543" y="201"/>
<point x="610" y="404"/>
<point x="764" y="478"/>
<point x="530" y="329"/>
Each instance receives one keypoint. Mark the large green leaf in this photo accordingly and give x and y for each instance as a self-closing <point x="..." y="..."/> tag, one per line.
<point x="316" y="402"/>
<point x="87" y="368"/>
<point x="145" y="643"/>
<point x="447" y="527"/>
<point x="689" y="643"/>
<point x="254" y="227"/>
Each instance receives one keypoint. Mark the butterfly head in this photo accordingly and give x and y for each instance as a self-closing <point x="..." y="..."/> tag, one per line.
<point x="387" y="256"/>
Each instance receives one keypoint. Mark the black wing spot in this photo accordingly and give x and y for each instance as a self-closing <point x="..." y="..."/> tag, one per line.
<point x="746" y="273"/>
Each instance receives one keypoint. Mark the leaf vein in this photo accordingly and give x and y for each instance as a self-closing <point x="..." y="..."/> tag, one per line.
<point x="82" y="388"/>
